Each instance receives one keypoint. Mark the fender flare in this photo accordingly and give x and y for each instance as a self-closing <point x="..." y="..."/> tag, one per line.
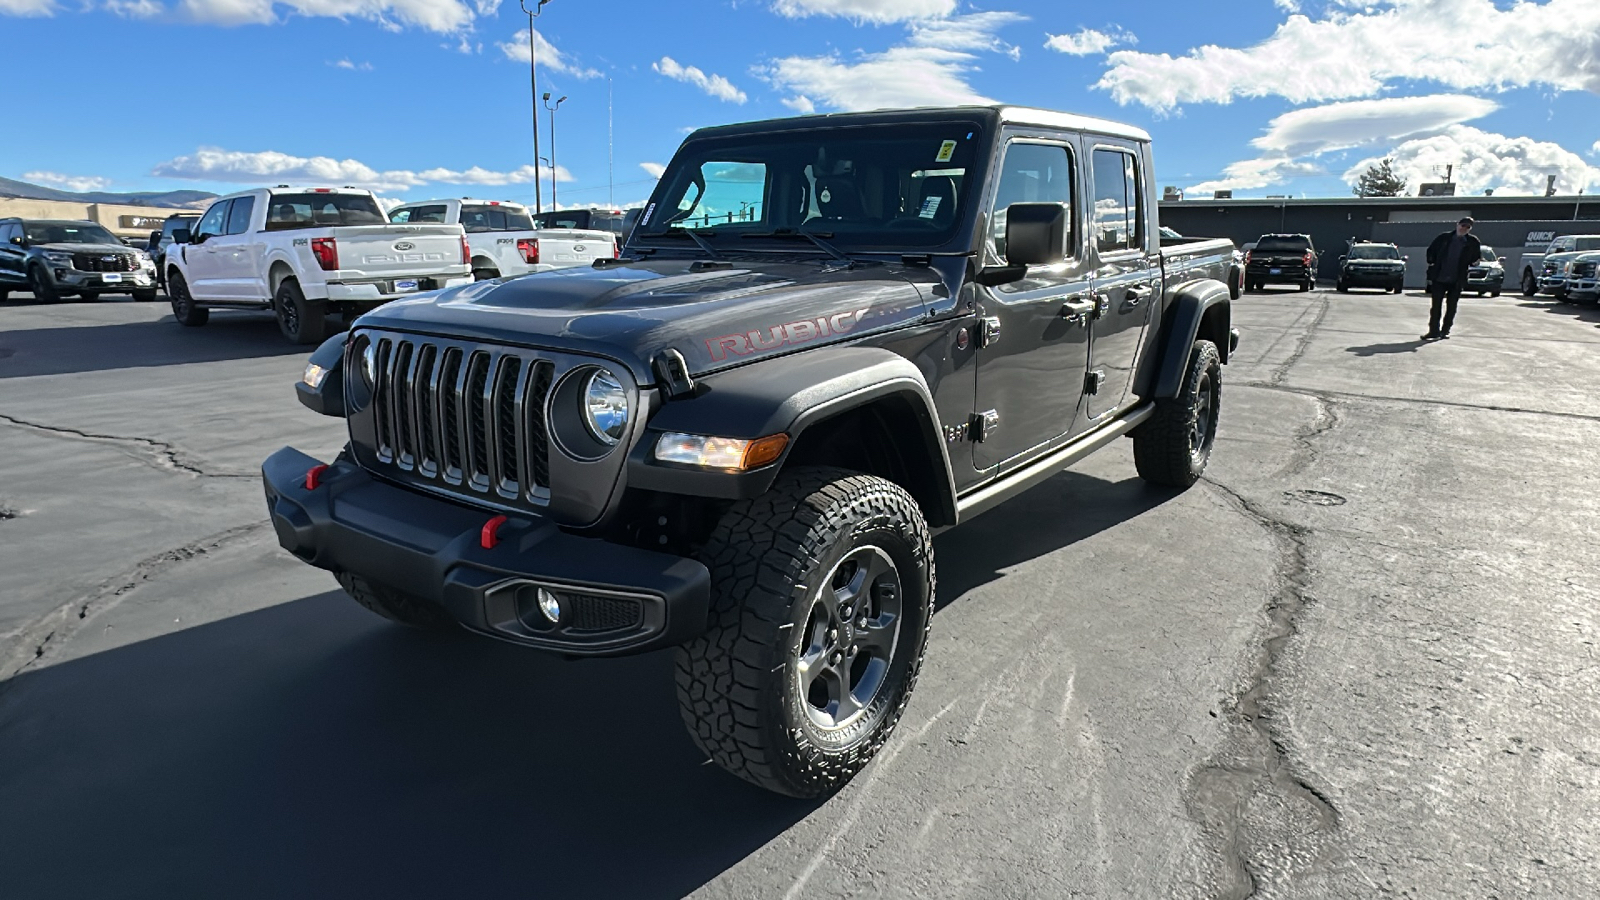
<point x="789" y="395"/>
<point x="1207" y="304"/>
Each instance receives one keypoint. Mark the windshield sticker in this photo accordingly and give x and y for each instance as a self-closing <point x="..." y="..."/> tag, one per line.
<point x="648" y="212"/>
<point x="826" y="196"/>
<point x="946" y="151"/>
<point x="930" y="208"/>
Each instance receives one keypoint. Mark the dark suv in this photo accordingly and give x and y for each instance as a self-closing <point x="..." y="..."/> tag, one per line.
<point x="161" y="240"/>
<point x="55" y="258"/>
<point x="1372" y="265"/>
<point x="1281" y="259"/>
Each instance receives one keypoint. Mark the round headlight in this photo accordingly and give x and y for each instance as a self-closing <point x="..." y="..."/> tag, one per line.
<point x="369" y="364"/>
<point x="605" y="407"/>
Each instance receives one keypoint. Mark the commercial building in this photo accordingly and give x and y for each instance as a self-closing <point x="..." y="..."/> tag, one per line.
<point x="1514" y="226"/>
<point x="121" y="220"/>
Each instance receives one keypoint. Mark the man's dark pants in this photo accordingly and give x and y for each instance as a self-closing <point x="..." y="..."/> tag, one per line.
<point x="1448" y="295"/>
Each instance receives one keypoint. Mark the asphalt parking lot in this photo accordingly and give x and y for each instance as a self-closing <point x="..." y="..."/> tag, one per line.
<point x="1357" y="660"/>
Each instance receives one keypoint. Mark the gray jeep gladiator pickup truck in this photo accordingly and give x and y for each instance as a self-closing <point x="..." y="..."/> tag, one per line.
<point x="827" y="338"/>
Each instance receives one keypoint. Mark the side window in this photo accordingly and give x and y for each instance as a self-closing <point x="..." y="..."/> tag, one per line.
<point x="211" y="224"/>
<point x="1034" y="173"/>
<point x="1118" y="202"/>
<point x="400" y="216"/>
<point x="239" y="216"/>
<point x="8" y="231"/>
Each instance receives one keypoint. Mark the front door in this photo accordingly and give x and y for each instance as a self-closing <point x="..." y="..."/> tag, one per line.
<point x="12" y="275"/>
<point x="1127" y="273"/>
<point x="1035" y="348"/>
<point x="204" y="260"/>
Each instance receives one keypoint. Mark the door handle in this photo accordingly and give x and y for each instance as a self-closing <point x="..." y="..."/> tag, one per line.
<point x="1077" y="310"/>
<point x="1136" y="296"/>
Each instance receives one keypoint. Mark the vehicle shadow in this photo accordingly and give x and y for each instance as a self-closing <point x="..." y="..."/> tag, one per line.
<point x="1381" y="349"/>
<point x="1583" y="312"/>
<point x="311" y="750"/>
<point x="131" y="345"/>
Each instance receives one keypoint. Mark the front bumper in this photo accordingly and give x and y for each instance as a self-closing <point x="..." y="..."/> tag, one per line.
<point x="1372" y="277"/>
<point x="1552" y="284"/>
<point x="74" y="280"/>
<point x="383" y="292"/>
<point x="1583" y="288"/>
<point x="616" y="600"/>
<point x="1492" y="280"/>
<point x="1295" y="273"/>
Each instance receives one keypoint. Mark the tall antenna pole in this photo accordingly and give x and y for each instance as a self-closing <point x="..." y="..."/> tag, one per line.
<point x="533" y="79"/>
<point x="611" y="155"/>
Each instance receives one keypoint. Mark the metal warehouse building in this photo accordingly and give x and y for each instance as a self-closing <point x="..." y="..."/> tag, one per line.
<point x="1514" y="226"/>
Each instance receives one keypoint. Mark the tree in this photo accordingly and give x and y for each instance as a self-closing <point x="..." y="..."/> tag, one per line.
<point x="1379" y="180"/>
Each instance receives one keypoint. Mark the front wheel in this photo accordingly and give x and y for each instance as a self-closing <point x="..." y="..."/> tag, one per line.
<point x="44" y="290"/>
<point x="300" y="320"/>
<point x="1341" y="287"/>
<point x="1173" y="446"/>
<point x="144" y="296"/>
<point x="184" y="309"/>
<point x="1495" y="292"/>
<point x="1307" y="285"/>
<point x="1530" y="287"/>
<point x="821" y="596"/>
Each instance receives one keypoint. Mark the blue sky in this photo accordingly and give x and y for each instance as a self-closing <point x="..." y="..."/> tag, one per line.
<point x="425" y="98"/>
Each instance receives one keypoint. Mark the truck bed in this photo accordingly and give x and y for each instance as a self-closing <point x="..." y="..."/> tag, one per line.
<point x="1191" y="259"/>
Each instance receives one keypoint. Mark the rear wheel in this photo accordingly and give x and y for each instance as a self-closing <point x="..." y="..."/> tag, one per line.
<point x="300" y="320"/>
<point x="184" y="308"/>
<point x="484" y="274"/>
<point x="1530" y="287"/>
<point x="1173" y="446"/>
<point x="395" y="606"/>
<point x="44" y="290"/>
<point x="821" y="596"/>
<point x="1307" y="285"/>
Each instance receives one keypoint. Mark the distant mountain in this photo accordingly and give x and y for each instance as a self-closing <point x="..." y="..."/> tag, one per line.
<point x="170" y="199"/>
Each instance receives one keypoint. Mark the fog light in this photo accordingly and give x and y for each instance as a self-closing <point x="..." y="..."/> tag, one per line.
<point x="550" y="605"/>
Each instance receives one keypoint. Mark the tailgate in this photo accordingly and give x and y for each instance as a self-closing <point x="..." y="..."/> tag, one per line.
<point x="385" y="251"/>
<point x="574" y="247"/>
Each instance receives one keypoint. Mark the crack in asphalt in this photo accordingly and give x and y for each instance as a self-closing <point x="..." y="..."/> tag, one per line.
<point x="1415" y="401"/>
<point x="159" y="454"/>
<point x="1282" y="371"/>
<point x="29" y="643"/>
<point x="1257" y="759"/>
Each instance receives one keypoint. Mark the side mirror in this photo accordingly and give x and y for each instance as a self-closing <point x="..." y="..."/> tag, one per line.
<point x="1343" y="258"/>
<point x="1405" y="259"/>
<point x="155" y="238"/>
<point x="1036" y="234"/>
<point x="181" y="236"/>
<point x="18" y="240"/>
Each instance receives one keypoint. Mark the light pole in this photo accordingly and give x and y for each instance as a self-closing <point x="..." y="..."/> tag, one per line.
<point x="533" y="78"/>
<point x="553" y="109"/>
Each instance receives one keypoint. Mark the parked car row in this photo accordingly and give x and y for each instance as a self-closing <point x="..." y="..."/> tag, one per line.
<point x="58" y="258"/>
<point x="1562" y="259"/>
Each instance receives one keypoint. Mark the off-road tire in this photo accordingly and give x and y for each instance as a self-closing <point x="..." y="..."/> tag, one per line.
<point x="39" y="284"/>
<point x="739" y="684"/>
<point x="184" y="309"/>
<point x="1530" y="285"/>
<point x="1165" y="448"/>
<point x="300" y="320"/>
<point x="394" y="605"/>
<point x="144" y="296"/>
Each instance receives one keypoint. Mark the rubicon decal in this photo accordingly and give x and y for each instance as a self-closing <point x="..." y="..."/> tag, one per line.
<point x="787" y="334"/>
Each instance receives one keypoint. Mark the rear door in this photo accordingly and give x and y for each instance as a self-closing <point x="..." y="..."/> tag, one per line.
<point x="1034" y="347"/>
<point x="203" y="256"/>
<point x="11" y="274"/>
<point x="1127" y="273"/>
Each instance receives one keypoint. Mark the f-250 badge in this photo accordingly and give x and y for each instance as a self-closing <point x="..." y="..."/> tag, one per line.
<point x="787" y="334"/>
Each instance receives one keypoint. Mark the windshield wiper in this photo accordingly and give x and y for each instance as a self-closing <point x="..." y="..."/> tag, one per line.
<point x="698" y="235"/>
<point x="814" y="237"/>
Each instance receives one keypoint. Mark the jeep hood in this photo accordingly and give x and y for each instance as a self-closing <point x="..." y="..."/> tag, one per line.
<point x="718" y="315"/>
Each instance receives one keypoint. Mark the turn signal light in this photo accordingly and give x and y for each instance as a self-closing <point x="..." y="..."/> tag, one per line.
<point x="529" y="248"/>
<point x="733" y="454"/>
<point x="326" y="250"/>
<point x="466" y="252"/>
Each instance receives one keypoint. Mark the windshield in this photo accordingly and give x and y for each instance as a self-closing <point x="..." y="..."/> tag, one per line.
<point x="1487" y="253"/>
<point x="68" y="233"/>
<point x="874" y="186"/>
<point x="1378" y="252"/>
<point x="476" y="219"/>
<point x="290" y="211"/>
<point x="1283" y="245"/>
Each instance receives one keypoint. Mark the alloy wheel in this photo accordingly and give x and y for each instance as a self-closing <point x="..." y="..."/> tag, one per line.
<point x="849" y="638"/>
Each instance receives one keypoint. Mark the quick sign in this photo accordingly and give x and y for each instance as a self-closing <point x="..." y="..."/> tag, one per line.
<point x="1539" y="238"/>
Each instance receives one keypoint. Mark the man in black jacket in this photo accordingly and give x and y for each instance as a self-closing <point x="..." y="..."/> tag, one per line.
<point x="1448" y="258"/>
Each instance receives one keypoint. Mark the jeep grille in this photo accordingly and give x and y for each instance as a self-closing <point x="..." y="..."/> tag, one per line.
<point x="463" y="419"/>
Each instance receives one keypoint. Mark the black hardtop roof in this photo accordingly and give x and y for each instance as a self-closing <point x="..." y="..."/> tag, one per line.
<point x="985" y="115"/>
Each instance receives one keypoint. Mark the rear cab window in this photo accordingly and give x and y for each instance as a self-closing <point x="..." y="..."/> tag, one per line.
<point x="1296" y="244"/>
<point x="419" y="215"/>
<point x="477" y="219"/>
<point x="286" y="212"/>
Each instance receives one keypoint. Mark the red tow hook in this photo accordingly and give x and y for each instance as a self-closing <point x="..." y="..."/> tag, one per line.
<point x="491" y="532"/>
<point x="314" y="477"/>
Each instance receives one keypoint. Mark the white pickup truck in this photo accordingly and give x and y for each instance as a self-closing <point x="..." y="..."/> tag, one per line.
<point x="305" y="253"/>
<point x="504" y="240"/>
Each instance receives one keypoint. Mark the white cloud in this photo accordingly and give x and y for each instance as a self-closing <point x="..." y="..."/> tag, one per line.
<point x="1357" y="51"/>
<point x="1484" y="160"/>
<point x="433" y="15"/>
<point x="244" y="167"/>
<point x="1339" y="126"/>
<point x="549" y="57"/>
<point x="1595" y="150"/>
<point x="354" y="67"/>
<point x="1087" y="41"/>
<point x="877" y="11"/>
<point x="1250" y="174"/>
<point x="714" y="85"/>
<point x="68" y="182"/>
<point x="654" y="170"/>
<point x="930" y="69"/>
<point x="136" y="9"/>
<point x="27" y="7"/>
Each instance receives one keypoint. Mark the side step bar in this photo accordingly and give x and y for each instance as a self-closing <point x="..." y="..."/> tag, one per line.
<point x="991" y="495"/>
